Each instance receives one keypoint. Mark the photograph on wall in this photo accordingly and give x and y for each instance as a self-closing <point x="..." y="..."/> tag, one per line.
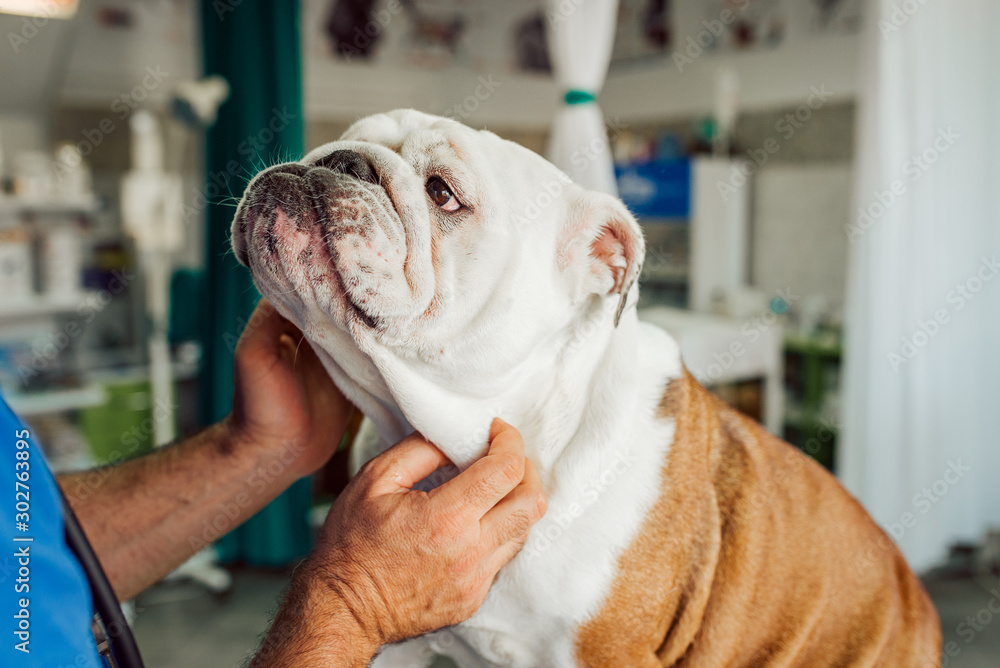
<point x="645" y="30"/>
<point x="835" y="16"/>
<point x="428" y="33"/>
<point x="439" y="34"/>
<point x="746" y="24"/>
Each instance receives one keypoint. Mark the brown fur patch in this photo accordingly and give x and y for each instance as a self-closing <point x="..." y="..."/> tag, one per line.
<point x="747" y="559"/>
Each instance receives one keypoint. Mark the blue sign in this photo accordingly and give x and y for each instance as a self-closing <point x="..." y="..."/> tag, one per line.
<point x="657" y="189"/>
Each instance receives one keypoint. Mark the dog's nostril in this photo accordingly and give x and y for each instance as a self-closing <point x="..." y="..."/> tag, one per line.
<point x="346" y="161"/>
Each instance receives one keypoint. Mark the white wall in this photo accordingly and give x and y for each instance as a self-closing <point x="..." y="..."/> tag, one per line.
<point x="798" y="237"/>
<point x="768" y="79"/>
<point x="657" y="90"/>
<point x="34" y="51"/>
<point x="337" y="90"/>
<point x="135" y="66"/>
<point x="682" y="84"/>
<point x="108" y="63"/>
<point x="21" y="132"/>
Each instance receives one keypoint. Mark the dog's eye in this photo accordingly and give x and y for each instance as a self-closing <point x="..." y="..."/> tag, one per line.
<point x="441" y="195"/>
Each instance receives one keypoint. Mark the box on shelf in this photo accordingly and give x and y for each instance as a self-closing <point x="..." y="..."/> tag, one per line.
<point x="656" y="189"/>
<point x="16" y="264"/>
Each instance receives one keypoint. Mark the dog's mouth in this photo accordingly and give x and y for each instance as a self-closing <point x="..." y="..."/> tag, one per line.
<point x="331" y="234"/>
<point x="361" y="316"/>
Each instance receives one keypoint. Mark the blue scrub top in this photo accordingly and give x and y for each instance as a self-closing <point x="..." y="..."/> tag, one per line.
<point x="45" y="602"/>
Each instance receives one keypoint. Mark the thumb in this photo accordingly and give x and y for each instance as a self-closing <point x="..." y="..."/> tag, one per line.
<point x="405" y="464"/>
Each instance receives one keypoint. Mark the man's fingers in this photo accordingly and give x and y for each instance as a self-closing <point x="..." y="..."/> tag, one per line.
<point x="501" y="556"/>
<point x="497" y="427"/>
<point x="402" y="466"/>
<point x="477" y="489"/>
<point x="265" y="319"/>
<point x="511" y="519"/>
<point x="506" y="526"/>
<point x="265" y="330"/>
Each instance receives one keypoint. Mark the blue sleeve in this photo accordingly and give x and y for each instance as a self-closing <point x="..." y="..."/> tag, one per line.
<point x="45" y="602"/>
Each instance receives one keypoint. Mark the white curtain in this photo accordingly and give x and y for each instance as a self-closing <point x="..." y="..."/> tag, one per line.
<point x="921" y="435"/>
<point x="581" y="34"/>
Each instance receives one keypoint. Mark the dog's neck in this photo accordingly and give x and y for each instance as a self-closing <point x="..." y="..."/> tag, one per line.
<point x="574" y="393"/>
<point x="580" y="395"/>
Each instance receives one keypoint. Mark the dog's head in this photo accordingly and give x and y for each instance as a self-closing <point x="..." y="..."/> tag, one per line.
<point x="437" y="267"/>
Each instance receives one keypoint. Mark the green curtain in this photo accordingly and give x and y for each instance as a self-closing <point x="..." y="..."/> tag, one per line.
<point x="255" y="46"/>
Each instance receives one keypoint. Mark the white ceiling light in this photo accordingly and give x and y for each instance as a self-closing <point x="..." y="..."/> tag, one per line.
<point x="49" y="9"/>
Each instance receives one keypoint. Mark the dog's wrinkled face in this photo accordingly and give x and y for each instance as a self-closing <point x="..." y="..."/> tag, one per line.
<point x="431" y="263"/>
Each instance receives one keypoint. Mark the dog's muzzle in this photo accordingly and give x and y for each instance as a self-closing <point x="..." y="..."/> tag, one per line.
<point x="301" y="191"/>
<point x="333" y="218"/>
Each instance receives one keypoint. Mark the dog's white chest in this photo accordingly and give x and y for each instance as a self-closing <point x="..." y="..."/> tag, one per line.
<point x="566" y="569"/>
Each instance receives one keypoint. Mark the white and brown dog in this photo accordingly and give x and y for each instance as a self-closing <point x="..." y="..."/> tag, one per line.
<point x="445" y="277"/>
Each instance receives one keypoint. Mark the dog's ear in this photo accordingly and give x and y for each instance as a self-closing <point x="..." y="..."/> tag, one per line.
<point x="601" y="247"/>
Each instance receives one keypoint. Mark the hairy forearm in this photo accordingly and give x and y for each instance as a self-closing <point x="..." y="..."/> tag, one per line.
<point x="315" y="627"/>
<point x="146" y="516"/>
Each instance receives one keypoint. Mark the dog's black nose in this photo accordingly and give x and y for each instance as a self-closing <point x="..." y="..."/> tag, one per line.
<point x="346" y="161"/>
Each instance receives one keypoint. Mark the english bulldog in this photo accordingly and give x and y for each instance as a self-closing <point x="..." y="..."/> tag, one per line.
<point x="445" y="277"/>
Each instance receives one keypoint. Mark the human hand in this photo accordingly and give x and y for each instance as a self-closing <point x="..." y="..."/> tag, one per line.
<point x="284" y="402"/>
<point x="403" y="562"/>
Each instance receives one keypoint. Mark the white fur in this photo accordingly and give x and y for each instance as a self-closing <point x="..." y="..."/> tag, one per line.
<point x="503" y="314"/>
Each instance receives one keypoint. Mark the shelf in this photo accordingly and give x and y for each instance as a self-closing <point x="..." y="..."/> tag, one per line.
<point x="41" y="305"/>
<point x="826" y="344"/>
<point x="809" y="420"/>
<point x="49" y="207"/>
<point x="56" y="401"/>
<point x="669" y="274"/>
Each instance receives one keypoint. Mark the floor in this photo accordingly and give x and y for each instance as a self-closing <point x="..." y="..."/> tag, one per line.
<point x="180" y="626"/>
